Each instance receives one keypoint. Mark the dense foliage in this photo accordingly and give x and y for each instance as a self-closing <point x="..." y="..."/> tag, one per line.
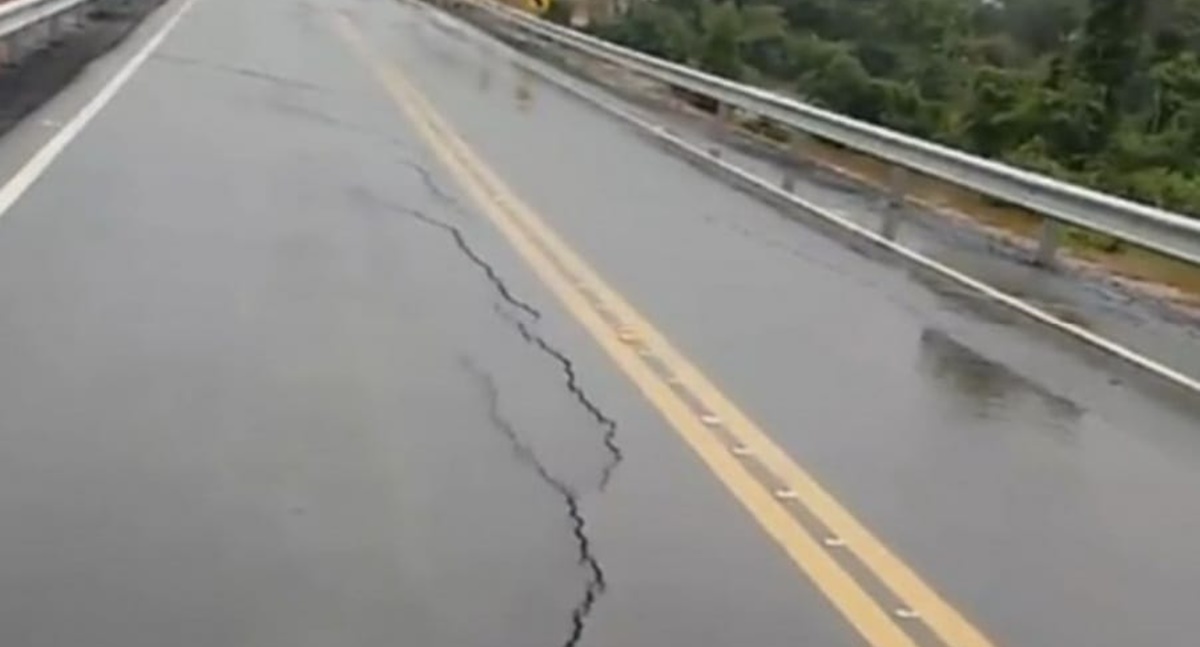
<point x="1102" y="92"/>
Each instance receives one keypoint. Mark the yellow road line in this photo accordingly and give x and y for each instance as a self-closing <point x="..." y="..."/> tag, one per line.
<point x="594" y="304"/>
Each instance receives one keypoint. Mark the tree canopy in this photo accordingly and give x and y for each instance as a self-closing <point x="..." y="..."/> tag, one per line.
<point x="1101" y="92"/>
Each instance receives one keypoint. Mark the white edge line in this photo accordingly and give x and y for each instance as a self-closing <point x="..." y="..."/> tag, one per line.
<point x="999" y="296"/>
<point x="37" y="165"/>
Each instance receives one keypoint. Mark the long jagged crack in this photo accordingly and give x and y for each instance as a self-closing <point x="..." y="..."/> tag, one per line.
<point x="431" y="184"/>
<point x="463" y="246"/>
<point x="607" y="424"/>
<point x="595" y="584"/>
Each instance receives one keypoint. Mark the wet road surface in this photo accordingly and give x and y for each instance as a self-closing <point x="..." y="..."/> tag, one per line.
<point x="271" y="377"/>
<point x="1087" y="298"/>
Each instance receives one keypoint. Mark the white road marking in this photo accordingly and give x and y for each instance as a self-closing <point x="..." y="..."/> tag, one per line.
<point x="33" y="169"/>
<point x="741" y="450"/>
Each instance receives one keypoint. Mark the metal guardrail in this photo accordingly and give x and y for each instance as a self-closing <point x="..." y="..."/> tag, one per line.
<point x="1166" y="232"/>
<point x="18" y="15"/>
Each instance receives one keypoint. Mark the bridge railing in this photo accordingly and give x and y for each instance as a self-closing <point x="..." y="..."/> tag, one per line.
<point x="27" y="24"/>
<point x="1059" y="202"/>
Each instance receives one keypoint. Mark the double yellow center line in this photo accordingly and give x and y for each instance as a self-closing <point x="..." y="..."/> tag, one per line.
<point x="820" y="536"/>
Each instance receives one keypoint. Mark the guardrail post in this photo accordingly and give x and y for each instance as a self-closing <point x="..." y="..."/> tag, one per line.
<point x="892" y="216"/>
<point x="17" y="46"/>
<point x="897" y="186"/>
<point x="41" y="33"/>
<point x="725" y="113"/>
<point x="801" y="145"/>
<point x="800" y="150"/>
<point x="1048" y="241"/>
<point x="893" y="212"/>
<point x="70" y="21"/>
<point x="55" y="28"/>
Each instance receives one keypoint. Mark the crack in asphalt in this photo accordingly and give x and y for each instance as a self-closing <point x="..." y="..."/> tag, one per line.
<point x="237" y="70"/>
<point x="432" y="185"/>
<point x="572" y="383"/>
<point x="607" y="424"/>
<point x="460" y="240"/>
<point x="596" y="584"/>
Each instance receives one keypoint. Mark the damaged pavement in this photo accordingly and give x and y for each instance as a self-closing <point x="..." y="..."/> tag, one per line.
<point x="522" y="317"/>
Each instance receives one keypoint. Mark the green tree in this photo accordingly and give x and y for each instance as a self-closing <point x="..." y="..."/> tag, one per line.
<point x="1111" y="48"/>
<point x="1105" y="92"/>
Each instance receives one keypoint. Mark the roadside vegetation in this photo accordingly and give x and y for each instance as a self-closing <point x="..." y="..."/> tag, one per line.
<point x="1101" y="92"/>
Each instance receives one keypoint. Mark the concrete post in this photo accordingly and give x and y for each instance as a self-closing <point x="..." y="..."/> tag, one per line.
<point x="55" y="28"/>
<point x="71" y="20"/>
<point x="893" y="212"/>
<point x="898" y="181"/>
<point x="725" y="113"/>
<point x="1048" y="243"/>
<point x="19" y="45"/>
<point x="893" y="215"/>
<point x="801" y="145"/>
<point x="800" y="149"/>
<point x="41" y="33"/>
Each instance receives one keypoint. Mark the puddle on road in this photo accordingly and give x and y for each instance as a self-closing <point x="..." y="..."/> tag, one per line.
<point x="1055" y="293"/>
<point x="1044" y="292"/>
<point x="985" y="389"/>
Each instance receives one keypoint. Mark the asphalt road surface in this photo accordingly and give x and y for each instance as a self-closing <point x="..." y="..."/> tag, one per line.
<point x="303" y="343"/>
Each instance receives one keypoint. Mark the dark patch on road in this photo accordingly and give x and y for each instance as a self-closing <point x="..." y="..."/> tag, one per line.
<point x="595" y="585"/>
<point x="43" y="73"/>
<point x="986" y="384"/>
